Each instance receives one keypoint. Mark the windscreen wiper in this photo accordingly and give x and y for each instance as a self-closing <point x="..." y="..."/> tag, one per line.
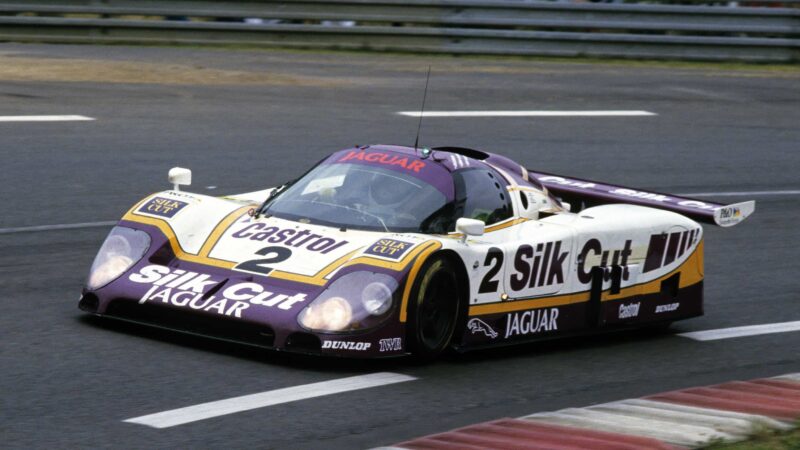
<point x="275" y="192"/>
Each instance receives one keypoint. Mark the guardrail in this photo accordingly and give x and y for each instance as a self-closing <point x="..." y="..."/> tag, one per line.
<point x="762" y="31"/>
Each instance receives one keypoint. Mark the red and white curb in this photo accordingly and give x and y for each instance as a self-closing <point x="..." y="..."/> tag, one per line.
<point x="687" y="418"/>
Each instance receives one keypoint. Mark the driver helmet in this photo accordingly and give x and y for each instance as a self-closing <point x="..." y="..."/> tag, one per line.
<point x="388" y="190"/>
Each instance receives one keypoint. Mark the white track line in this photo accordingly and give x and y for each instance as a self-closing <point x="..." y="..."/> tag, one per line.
<point x="44" y="118"/>
<point x="247" y="402"/>
<point x="750" y="330"/>
<point x="527" y="113"/>
<point x="62" y="226"/>
<point x="739" y="194"/>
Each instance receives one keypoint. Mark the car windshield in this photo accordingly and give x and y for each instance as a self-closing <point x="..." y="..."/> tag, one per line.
<point x="361" y="197"/>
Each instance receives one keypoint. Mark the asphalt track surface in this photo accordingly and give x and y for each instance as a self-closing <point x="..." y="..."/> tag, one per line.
<point x="245" y="120"/>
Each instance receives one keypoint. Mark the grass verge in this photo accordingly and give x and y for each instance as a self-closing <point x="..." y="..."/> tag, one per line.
<point x="765" y="440"/>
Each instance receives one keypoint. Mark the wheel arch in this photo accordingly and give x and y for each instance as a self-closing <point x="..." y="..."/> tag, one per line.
<point x="458" y="269"/>
<point x="462" y="278"/>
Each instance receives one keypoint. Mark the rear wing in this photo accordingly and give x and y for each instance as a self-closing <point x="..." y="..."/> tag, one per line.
<point x="586" y="193"/>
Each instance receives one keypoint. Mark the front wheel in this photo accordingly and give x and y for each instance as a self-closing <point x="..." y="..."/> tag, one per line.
<point x="434" y="307"/>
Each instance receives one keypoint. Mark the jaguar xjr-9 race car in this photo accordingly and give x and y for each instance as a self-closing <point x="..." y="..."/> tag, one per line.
<point x="387" y="250"/>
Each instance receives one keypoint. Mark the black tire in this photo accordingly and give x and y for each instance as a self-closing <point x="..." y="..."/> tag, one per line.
<point x="434" y="307"/>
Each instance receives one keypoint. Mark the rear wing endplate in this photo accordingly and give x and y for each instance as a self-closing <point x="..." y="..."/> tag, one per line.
<point x="586" y="193"/>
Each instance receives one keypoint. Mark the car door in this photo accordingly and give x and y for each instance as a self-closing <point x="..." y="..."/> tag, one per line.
<point x="539" y="260"/>
<point x="482" y="195"/>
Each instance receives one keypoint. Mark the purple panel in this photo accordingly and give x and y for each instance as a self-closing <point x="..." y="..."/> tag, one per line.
<point x="399" y="159"/>
<point x="179" y="288"/>
<point x="606" y="193"/>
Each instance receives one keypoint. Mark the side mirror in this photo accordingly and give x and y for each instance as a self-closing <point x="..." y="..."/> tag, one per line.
<point x="470" y="227"/>
<point x="179" y="176"/>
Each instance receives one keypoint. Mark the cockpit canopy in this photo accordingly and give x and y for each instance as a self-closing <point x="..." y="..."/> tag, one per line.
<point x="392" y="189"/>
<point x="349" y="195"/>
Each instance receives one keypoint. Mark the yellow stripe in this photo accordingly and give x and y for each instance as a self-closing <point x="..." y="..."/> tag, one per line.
<point x="519" y="305"/>
<point x="396" y="266"/>
<point x="319" y="278"/>
<point x="160" y="224"/>
<point x="412" y="275"/>
<point x="524" y="188"/>
<point x="691" y="273"/>
<point x="498" y="226"/>
<point x="501" y="225"/>
<point x="203" y="257"/>
<point x="180" y="253"/>
<point x="508" y="177"/>
<point x="220" y="229"/>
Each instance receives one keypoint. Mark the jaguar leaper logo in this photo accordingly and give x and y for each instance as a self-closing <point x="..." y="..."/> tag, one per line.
<point x="478" y="326"/>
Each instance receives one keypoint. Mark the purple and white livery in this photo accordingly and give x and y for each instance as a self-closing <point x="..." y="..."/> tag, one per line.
<point x="386" y="250"/>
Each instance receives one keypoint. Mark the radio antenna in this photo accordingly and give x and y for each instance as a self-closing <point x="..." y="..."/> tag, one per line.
<point x="422" y="111"/>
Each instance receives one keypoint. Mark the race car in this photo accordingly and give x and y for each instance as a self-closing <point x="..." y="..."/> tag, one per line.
<point x="388" y="250"/>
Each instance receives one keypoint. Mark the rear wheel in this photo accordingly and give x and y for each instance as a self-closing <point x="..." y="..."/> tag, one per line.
<point x="435" y="302"/>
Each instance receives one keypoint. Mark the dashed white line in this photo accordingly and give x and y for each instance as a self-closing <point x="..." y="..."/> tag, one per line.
<point x="218" y="408"/>
<point x="68" y="118"/>
<point x="740" y="194"/>
<point x="62" y="226"/>
<point x="750" y="330"/>
<point x="527" y="113"/>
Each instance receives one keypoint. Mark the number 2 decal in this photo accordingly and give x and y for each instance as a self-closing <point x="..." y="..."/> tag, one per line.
<point x="273" y="255"/>
<point x="489" y="284"/>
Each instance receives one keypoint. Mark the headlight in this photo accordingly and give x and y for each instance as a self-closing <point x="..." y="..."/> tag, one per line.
<point x="122" y="249"/>
<point x="356" y="301"/>
<point x="376" y="298"/>
<point x="333" y="314"/>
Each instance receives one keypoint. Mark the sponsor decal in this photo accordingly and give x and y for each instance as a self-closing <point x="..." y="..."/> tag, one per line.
<point x="667" y="308"/>
<point x="628" y="311"/>
<point x="532" y="322"/>
<point x="625" y="192"/>
<point x="477" y="326"/>
<point x="538" y="266"/>
<point x="194" y="290"/>
<point x="410" y="164"/>
<point x="729" y="214"/>
<point x="641" y="194"/>
<point x="565" y="182"/>
<point x="289" y="237"/>
<point x="391" y="344"/>
<point x="389" y="248"/>
<point x="697" y="204"/>
<point x="617" y="257"/>
<point x="494" y="260"/>
<point x="181" y="194"/>
<point x="164" y="207"/>
<point x="346" y="345"/>
<point x="274" y="255"/>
